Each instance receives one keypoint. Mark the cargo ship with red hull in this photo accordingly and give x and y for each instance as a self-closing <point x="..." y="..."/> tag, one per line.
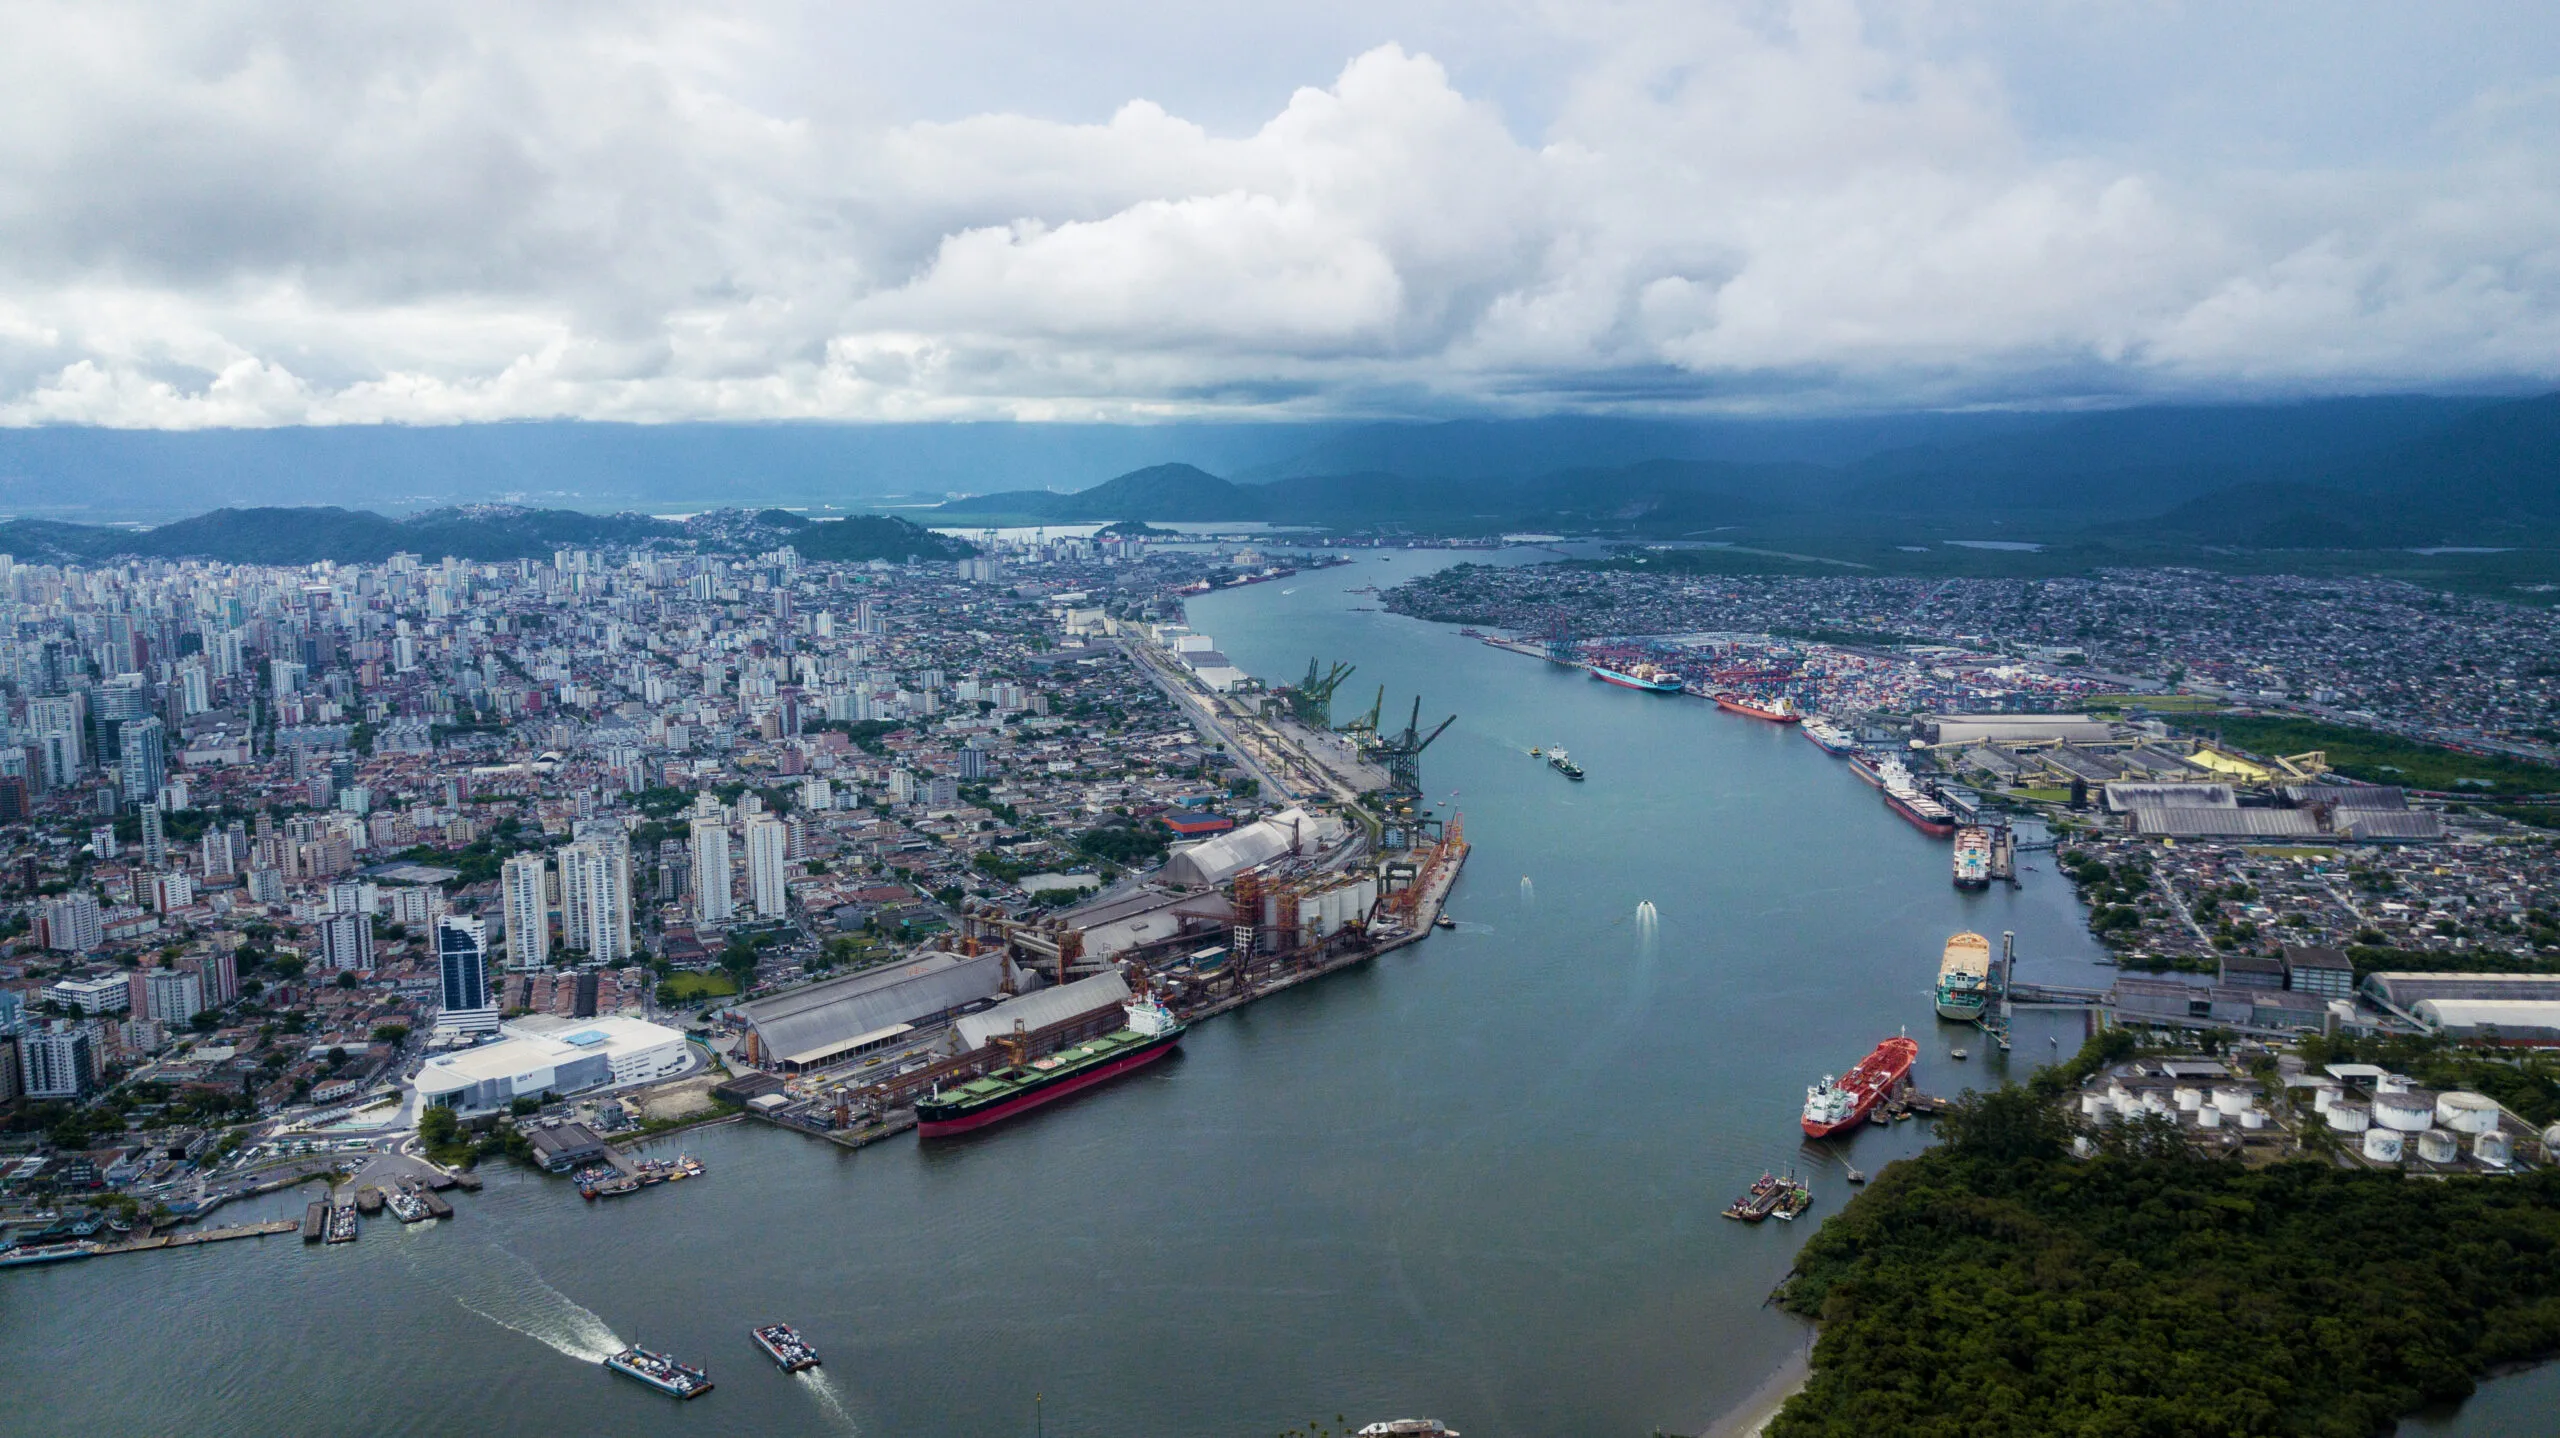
<point x="1776" y="711"/>
<point x="1835" y="1104"/>
<point x="1022" y="1086"/>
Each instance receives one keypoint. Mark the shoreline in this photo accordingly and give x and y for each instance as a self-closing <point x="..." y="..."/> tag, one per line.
<point x="1759" y="1408"/>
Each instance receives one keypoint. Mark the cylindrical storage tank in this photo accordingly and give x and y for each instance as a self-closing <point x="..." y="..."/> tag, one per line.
<point x="2493" y="1149"/>
<point x="2350" y="1117"/>
<point x="2208" y="1117"/>
<point x="2090" y="1104"/>
<point x="2438" y="1146"/>
<point x="2381" y="1145"/>
<point x="2232" y="1101"/>
<point x="2189" y="1100"/>
<point x="2119" y="1095"/>
<point x="2551" y="1143"/>
<point x="2081" y="1147"/>
<point x="2322" y="1097"/>
<point x="2405" y="1112"/>
<point x="2391" y="1083"/>
<point x="2254" y="1119"/>
<point x="2466" y="1112"/>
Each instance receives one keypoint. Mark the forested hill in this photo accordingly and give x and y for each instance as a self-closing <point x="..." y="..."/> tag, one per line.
<point x="1993" y="1286"/>
<point x="489" y="532"/>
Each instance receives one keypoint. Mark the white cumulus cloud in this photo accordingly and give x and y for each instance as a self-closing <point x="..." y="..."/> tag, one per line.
<point x="278" y="214"/>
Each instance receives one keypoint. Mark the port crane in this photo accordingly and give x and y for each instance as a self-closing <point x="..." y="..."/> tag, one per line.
<point x="1401" y="754"/>
<point x="1311" y="698"/>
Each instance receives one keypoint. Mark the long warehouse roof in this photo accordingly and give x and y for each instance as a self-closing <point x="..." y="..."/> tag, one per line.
<point x="833" y="1012"/>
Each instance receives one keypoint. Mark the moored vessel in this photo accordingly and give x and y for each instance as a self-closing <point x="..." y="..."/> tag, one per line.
<point x="676" y="1380"/>
<point x="1868" y="768"/>
<point x="1409" y="1428"/>
<point x="1972" y="858"/>
<point x="1651" y="678"/>
<point x="1776" y="711"/>
<point x="1836" y="1104"/>
<point x="783" y="1344"/>
<point x="1964" y="978"/>
<point x="1027" y="1084"/>
<point x="1832" y="738"/>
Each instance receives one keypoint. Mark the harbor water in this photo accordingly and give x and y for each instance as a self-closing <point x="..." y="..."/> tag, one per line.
<point x="1479" y="1179"/>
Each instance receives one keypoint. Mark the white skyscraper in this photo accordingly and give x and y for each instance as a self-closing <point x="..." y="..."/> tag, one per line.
<point x="768" y="848"/>
<point x="711" y="902"/>
<point x="595" y="898"/>
<point x="528" y="916"/>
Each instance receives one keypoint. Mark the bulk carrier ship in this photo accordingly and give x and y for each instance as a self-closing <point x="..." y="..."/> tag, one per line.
<point x="1835" y="1104"/>
<point x="1973" y="857"/>
<point x="1020" y="1085"/>
<point x="1964" y="978"/>
<point x="1904" y="796"/>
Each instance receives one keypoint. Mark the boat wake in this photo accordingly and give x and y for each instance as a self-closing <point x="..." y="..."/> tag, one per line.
<point x="510" y="1294"/>
<point x="823" y="1389"/>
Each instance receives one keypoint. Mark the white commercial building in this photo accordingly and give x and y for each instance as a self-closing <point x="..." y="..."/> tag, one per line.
<point x="528" y="912"/>
<point x="555" y="1056"/>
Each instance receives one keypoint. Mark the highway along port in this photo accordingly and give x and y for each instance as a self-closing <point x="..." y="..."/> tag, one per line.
<point x="1479" y="1177"/>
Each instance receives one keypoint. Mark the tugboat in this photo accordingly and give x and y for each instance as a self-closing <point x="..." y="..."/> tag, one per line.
<point x="1444" y="922"/>
<point x="1757" y="1202"/>
<point x="784" y="1345"/>
<point x="1563" y="764"/>
<point x="660" y="1372"/>
<point x="1794" y="1197"/>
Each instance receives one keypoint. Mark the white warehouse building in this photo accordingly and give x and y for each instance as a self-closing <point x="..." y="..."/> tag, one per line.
<point x="553" y="1055"/>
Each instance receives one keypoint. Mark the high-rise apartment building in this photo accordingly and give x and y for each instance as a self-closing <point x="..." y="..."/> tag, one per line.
<point x="527" y="912"/>
<point x="595" y="897"/>
<point x="711" y="901"/>
<point x="346" y="941"/>
<point x="768" y="851"/>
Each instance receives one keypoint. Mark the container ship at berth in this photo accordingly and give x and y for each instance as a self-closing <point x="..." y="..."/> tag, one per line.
<point x="1649" y="678"/>
<point x="1973" y="857"/>
<point x="783" y="1344"/>
<point x="1832" y="738"/>
<point x="1776" y="711"/>
<point x="1835" y="1104"/>
<point x="1152" y="1032"/>
<point x="1964" y="978"/>
<point x="660" y="1372"/>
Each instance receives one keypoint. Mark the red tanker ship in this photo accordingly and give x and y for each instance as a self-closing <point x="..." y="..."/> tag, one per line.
<point x="1835" y="1104"/>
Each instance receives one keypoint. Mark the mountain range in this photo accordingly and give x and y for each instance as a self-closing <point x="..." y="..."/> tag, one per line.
<point x="2332" y="474"/>
<point x="308" y="535"/>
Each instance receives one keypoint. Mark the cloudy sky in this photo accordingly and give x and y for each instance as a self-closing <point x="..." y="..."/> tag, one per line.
<point x="217" y="214"/>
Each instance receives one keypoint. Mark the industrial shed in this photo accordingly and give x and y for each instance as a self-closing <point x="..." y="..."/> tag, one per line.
<point x="2197" y="823"/>
<point x="837" y="1018"/>
<point x="2124" y="796"/>
<point x="2018" y="729"/>
<point x="1039" y="1010"/>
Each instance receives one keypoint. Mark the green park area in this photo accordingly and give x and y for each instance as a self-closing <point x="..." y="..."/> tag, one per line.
<point x="2379" y="758"/>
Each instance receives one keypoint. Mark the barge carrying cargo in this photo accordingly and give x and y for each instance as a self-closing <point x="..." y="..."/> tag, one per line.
<point x="1021" y="1086"/>
<point x="674" y="1379"/>
<point x="1845" y="1102"/>
<point x="1964" y="978"/>
<point x="783" y="1344"/>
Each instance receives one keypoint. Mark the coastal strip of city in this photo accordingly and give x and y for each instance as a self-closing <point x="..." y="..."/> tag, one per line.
<point x="360" y="880"/>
